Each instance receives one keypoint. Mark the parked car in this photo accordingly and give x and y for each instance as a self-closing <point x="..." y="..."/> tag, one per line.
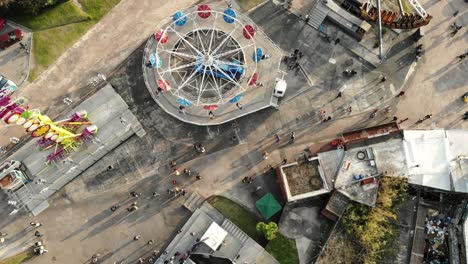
<point x="10" y="38"/>
<point x="2" y="23"/>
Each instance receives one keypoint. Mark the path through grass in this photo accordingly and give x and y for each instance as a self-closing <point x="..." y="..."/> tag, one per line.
<point x="57" y="28"/>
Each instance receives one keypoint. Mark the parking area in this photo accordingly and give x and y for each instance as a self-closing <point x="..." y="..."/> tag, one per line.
<point x="15" y="60"/>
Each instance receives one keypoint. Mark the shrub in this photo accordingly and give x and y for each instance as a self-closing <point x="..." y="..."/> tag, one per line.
<point x="269" y="230"/>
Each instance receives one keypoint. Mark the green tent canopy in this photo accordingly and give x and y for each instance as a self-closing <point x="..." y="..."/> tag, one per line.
<point x="268" y="206"/>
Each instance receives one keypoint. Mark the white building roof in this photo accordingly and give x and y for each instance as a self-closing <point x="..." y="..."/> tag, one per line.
<point x="214" y="236"/>
<point x="433" y="158"/>
<point x="458" y="146"/>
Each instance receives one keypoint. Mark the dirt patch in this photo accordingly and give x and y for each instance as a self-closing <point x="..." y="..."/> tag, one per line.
<point x="303" y="178"/>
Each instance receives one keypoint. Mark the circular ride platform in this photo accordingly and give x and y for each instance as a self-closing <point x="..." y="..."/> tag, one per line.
<point x="209" y="64"/>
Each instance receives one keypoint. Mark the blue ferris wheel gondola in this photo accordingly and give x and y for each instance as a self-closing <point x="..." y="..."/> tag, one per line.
<point x="229" y="16"/>
<point x="179" y="18"/>
<point x="257" y="55"/>
<point x="183" y="102"/>
<point x="155" y="60"/>
<point x="236" y="98"/>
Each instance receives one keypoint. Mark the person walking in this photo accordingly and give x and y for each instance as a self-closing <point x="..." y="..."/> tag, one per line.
<point x="456" y="13"/>
<point x="277" y="138"/>
<point x="339" y="95"/>
<point x="293" y="136"/>
<point x="35" y="224"/>
<point x="133" y="207"/>
<point x="135" y="194"/>
<point x="427" y="116"/>
<point x="38" y="234"/>
<point x="211" y="115"/>
<point x="239" y="106"/>
<point x="400" y="94"/>
<point x="461" y="57"/>
<point x="182" y="109"/>
<point x="383" y="79"/>
<point x="265" y="155"/>
<point x="198" y="177"/>
<point x="465" y="116"/>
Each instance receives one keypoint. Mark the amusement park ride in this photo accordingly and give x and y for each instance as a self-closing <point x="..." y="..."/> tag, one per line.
<point x="206" y="56"/>
<point x="396" y="20"/>
<point x="62" y="137"/>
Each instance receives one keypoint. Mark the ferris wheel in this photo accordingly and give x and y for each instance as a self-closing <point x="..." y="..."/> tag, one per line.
<point x="206" y="56"/>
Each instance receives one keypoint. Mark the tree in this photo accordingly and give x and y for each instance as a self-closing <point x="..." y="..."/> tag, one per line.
<point x="269" y="230"/>
<point x="375" y="228"/>
<point x="19" y="7"/>
<point x="4" y="2"/>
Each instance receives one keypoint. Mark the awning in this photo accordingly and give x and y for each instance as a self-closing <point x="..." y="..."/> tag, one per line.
<point x="214" y="236"/>
<point x="268" y="206"/>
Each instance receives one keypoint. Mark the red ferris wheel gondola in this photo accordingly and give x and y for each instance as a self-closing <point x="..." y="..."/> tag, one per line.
<point x="161" y="36"/>
<point x="204" y="11"/>
<point x="249" y="31"/>
<point x="253" y="79"/>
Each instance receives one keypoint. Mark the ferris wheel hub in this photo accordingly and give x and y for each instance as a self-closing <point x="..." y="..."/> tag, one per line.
<point x="208" y="60"/>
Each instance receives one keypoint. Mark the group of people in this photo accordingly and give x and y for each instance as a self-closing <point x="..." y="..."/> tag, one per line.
<point x="419" y="52"/>
<point x="292" y="60"/>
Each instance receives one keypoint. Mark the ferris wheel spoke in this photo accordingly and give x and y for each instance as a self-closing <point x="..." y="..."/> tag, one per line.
<point x="218" y="89"/>
<point x="228" y="36"/>
<point x="187" y="80"/>
<point x="197" y="31"/>
<point x="217" y="56"/>
<point x="185" y="41"/>
<point x="212" y="33"/>
<point x="201" y="89"/>
<point x="181" y="54"/>
<point x="228" y="77"/>
<point x="179" y="67"/>
<point x="221" y="61"/>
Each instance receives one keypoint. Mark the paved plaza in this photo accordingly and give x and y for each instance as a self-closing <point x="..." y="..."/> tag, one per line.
<point x="79" y="222"/>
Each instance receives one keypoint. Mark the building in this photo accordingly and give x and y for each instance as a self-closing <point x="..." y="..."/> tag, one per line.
<point x="209" y="238"/>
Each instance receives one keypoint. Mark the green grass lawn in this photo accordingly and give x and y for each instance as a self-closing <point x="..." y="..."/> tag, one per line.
<point x="283" y="249"/>
<point x="59" y="15"/>
<point x="18" y="259"/>
<point x="246" y="5"/>
<point x="240" y="216"/>
<point x="65" y="19"/>
<point x="49" y="44"/>
<point x="98" y="8"/>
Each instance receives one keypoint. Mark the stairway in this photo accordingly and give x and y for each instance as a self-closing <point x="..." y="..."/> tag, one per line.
<point x="234" y="231"/>
<point x="194" y="201"/>
<point x="318" y="15"/>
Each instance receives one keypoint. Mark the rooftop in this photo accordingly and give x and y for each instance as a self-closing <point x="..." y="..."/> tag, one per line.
<point x="303" y="180"/>
<point x="208" y="233"/>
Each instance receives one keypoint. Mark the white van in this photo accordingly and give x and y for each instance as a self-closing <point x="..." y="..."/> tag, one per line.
<point x="280" y="88"/>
